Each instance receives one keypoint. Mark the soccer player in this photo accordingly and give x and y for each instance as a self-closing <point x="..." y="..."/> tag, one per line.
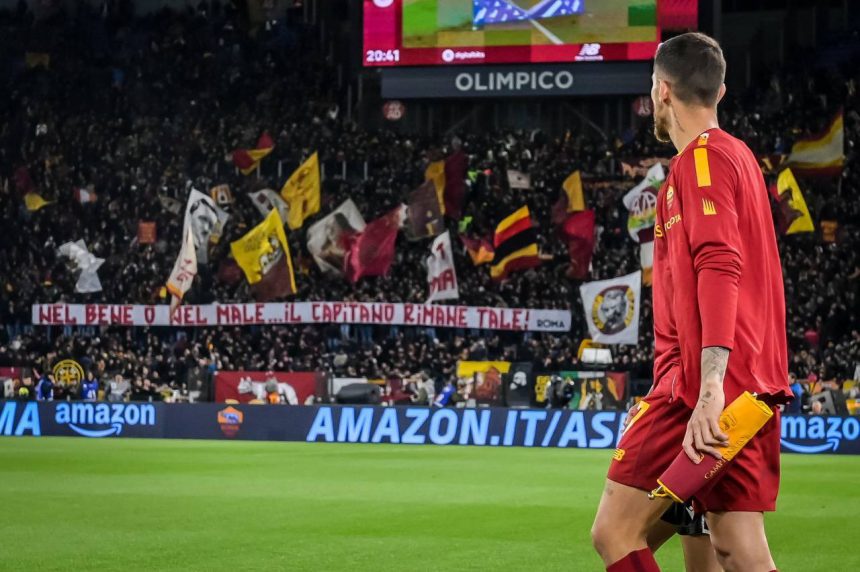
<point x="719" y="327"/>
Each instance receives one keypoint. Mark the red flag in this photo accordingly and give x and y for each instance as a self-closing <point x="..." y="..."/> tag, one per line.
<point x="229" y="272"/>
<point x="425" y="217"/>
<point x="455" y="184"/>
<point x="23" y="181"/>
<point x="480" y="249"/>
<point x="578" y="232"/>
<point x="558" y="211"/>
<point x="248" y="159"/>
<point x="372" y="251"/>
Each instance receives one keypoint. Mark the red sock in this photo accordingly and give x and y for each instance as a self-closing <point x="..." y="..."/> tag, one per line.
<point x="637" y="561"/>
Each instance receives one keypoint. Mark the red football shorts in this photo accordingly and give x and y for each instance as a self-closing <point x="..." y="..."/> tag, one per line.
<point x="654" y="436"/>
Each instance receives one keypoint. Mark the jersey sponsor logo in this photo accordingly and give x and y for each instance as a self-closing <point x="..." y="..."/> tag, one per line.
<point x="103" y="419"/>
<point x="708" y="207"/>
<point x="703" y="168"/>
<point x="618" y="454"/>
<point x="658" y="231"/>
<point x="818" y="434"/>
<point x="672" y="222"/>
<point x="613" y="309"/>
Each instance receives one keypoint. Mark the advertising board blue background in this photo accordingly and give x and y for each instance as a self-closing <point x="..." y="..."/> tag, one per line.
<point x="368" y="424"/>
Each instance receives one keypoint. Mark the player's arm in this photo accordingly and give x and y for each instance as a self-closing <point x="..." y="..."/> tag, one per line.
<point x="711" y="221"/>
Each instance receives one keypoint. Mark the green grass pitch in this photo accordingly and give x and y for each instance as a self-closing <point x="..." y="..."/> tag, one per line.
<point x="77" y="504"/>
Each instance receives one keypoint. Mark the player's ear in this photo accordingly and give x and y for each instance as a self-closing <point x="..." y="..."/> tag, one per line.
<point x="664" y="92"/>
<point x="722" y="93"/>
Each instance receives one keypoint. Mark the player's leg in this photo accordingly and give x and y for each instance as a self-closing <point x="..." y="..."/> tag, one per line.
<point x="659" y="534"/>
<point x="737" y="501"/>
<point x="626" y="515"/>
<point x="624" y="518"/>
<point x="691" y="527"/>
<point x="740" y="541"/>
<point x="699" y="554"/>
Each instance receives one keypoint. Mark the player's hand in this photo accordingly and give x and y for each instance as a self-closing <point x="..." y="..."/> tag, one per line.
<point x="703" y="431"/>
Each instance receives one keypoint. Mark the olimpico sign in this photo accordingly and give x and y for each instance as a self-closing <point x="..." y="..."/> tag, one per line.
<point x="490" y="81"/>
<point x="582" y="78"/>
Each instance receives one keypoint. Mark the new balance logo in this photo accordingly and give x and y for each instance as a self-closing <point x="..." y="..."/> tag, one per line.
<point x="708" y="207"/>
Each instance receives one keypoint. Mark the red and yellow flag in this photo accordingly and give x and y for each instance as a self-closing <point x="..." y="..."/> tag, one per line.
<point x="515" y="243"/>
<point x="823" y="154"/>
<point x="248" y="159"/>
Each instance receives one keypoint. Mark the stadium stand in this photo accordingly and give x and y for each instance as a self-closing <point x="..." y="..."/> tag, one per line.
<point x="134" y="110"/>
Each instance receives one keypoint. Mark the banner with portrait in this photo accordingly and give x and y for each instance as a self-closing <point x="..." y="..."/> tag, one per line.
<point x="612" y="307"/>
<point x="330" y="239"/>
<point x="206" y="220"/>
<point x="483" y="379"/>
<point x="264" y="255"/>
<point x="519" y="385"/>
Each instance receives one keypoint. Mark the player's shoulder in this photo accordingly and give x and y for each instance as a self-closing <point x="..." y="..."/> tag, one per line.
<point x="713" y="153"/>
<point x="714" y="142"/>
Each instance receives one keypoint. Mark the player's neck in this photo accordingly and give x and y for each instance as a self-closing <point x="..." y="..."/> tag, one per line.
<point x="689" y="123"/>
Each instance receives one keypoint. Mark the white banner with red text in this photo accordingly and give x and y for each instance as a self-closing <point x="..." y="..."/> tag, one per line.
<point x="365" y="313"/>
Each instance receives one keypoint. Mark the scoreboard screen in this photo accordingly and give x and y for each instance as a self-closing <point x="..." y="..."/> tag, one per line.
<point x="462" y="32"/>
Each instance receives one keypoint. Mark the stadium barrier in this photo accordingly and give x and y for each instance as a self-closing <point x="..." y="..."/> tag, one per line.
<point x="367" y="424"/>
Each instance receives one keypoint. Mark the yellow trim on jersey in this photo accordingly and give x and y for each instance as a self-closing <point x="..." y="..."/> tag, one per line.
<point x="703" y="169"/>
<point x="643" y="407"/>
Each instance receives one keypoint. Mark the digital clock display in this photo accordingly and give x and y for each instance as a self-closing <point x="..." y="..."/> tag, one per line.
<point x="382" y="56"/>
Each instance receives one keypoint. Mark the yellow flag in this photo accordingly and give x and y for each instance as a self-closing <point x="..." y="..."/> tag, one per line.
<point x="436" y="172"/>
<point x="301" y="192"/>
<point x="34" y="202"/>
<point x="573" y="188"/>
<point x="801" y="222"/>
<point x="36" y="59"/>
<point x="264" y="256"/>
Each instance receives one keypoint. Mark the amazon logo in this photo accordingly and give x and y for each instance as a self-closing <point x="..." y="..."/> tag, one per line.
<point x="818" y="434"/>
<point x="103" y="419"/>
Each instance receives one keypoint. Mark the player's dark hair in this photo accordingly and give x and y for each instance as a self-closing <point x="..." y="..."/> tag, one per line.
<point x="694" y="65"/>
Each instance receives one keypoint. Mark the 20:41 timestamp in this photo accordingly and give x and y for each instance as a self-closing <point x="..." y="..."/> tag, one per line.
<point x="382" y="56"/>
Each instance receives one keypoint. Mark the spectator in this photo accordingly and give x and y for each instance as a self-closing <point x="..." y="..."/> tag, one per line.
<point x="118" y="388"/>
<point x="45" y="387"/>
<point x="89" y="387"/>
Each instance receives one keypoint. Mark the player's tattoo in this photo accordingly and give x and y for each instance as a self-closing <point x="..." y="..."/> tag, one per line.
<point x="715" y="360"/>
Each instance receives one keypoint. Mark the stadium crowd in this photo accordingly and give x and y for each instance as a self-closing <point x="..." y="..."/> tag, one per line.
<point x="142" y="109"/>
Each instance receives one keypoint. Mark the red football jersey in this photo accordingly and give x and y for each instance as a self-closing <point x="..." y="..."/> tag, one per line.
<point x="717" y="278"/>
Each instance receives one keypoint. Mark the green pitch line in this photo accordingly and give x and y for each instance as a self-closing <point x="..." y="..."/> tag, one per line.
<point x="77" y="504"/>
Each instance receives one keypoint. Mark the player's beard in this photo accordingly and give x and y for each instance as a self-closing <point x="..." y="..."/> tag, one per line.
<point x="661" y="125"/>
